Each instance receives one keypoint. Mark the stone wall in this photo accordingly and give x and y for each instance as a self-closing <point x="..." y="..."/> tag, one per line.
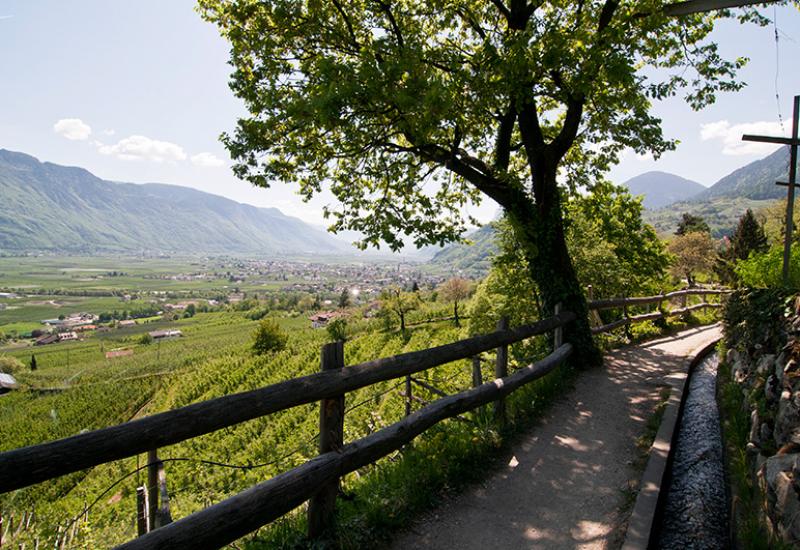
<point x="764" y="358"/>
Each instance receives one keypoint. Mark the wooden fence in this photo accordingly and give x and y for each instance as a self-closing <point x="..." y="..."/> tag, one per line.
<point x="318" y="479"/>
<point x="660" y="313"/>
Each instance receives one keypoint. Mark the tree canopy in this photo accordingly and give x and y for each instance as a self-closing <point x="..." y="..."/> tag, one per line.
<point x="374" y="97"/>
<point x="409" y="110"/>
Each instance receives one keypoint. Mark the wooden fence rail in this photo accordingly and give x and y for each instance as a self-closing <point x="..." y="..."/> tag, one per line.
<point x="236" y="516"/>
<point x="30" y="465"/>
<point x="625" y="303"/>
<point x="644" y="300"/>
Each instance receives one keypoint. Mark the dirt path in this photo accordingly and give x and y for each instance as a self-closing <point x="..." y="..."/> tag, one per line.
<point x="563" y="483"/>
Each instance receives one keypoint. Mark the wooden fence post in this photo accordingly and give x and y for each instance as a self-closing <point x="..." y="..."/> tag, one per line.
<point x="152" y="488"/>
<point x="321" y="507"/>
<point x="164" y="514"/>
<point x="501" y="371"/>
<point x="408" y="395"/>
<point x="627" y="317"/>
<point x="558" y="333"/>
<point x="141" y="510"/>
<point x="477" y="379"/>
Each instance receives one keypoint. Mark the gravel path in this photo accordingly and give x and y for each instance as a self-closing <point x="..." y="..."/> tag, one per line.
<point x="563" y="483"/>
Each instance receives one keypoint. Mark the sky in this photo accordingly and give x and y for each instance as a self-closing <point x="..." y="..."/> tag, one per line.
<point x="137" y="90"/>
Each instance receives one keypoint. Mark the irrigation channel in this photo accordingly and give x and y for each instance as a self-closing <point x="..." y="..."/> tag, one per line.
<point x="695" y="510"/>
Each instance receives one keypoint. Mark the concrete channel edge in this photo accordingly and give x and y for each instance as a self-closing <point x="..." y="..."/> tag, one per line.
<point x="642" y="519"/>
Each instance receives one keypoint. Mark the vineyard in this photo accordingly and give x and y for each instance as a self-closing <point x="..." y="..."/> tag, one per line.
<point x="75" y="389"/>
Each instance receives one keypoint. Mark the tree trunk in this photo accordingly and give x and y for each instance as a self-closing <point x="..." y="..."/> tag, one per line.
<point x="455" y="313"/>
<point x="402" y="315"/>
<point x="539" y="228"/>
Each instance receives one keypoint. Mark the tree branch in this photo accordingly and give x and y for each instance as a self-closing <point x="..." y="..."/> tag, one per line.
<point x="347" y="23"/>
<point x="502" y="147"/>
<point x="572" y="122"/>
<point x="532" y="136"/>
<point x="393" y="22"/>
<point x="607" y="14"/>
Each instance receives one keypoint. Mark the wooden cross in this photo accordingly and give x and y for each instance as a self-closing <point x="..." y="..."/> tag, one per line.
<point x="792" y="142"/>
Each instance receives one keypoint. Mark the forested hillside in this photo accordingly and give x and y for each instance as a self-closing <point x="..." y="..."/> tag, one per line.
<point x="47" y="207"/>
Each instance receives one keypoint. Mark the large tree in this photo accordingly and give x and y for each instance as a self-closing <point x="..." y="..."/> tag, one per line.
<point x="406" y="110"/>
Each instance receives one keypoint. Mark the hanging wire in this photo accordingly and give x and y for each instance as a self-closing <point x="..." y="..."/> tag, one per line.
<point x="138" y="469"/>
<point x="777" y="66"/>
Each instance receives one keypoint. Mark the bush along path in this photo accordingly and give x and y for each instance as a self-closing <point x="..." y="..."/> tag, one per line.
<point x="567" y="483"/>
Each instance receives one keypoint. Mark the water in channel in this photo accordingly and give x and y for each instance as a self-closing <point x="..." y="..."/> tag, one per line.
<point x="695" y="514"/>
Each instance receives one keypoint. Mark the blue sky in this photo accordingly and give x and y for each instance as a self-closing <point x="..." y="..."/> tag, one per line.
<point x="137" y="91"/>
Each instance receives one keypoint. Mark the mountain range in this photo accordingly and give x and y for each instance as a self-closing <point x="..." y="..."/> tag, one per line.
<point x="48" y="207"/>
<point x="721" y="205"/>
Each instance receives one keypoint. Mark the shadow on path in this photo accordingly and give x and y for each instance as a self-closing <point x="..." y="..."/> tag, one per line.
<point x="564" y="480"/>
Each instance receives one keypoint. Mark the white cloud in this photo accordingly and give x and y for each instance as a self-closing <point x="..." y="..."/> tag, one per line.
<point x="144" y="148"/>
<point x="207" y="160"/>
<point x="731" y="136"/>
<point x="109" y="132"/>
<point x="72" y="128"/>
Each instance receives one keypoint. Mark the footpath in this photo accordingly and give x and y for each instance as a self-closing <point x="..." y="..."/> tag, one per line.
<point x="564" y="483"/>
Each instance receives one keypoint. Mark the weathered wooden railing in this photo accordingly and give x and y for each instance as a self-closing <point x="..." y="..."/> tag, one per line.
<point x="625" y="303"/>
<point x="317" y="480"/>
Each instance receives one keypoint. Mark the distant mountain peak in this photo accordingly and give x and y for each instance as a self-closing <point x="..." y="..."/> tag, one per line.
<point x="49" y="207"/>
<point x="662" y="188"/>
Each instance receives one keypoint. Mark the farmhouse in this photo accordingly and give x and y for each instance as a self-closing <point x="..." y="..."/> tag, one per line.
<point x="165" y="334"/>
<point x="7" y="383"/>
<point x="66" y="336"/>
<point x="126" y="323"/>
<point x="45" y="340"/>
<point x="319" y="320"/>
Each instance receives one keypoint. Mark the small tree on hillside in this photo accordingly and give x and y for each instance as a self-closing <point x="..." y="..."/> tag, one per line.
<point x="399" y="303"/>
<point x="692" y="224"/>
<point x="748" y="237"/>
<point x="268" y="337"/>
<point x="456" y="290"/>
<point x="693" y="252"/>
<point x="344" y="298"/>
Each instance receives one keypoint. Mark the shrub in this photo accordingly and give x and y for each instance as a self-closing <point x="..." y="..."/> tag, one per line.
<point x="145" y="339"/>
<point x="9" y="365"/>
<point x="337" y="330"/>
<point x="766" y="270"/>
<point x="268" y="337"/>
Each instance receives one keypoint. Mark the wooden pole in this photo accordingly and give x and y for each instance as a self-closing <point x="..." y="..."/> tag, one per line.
<point x="321" y="507"/>
<point x="152" y="488"/>
<point x="558" y="333"/>
<point x="477" y="379"/>
<point x="164" y="514"/>
<point x="141" y="511"/>
<point x="501" y="371"/>
<point x="408" y="394"/>
<point x="787" y="239"/>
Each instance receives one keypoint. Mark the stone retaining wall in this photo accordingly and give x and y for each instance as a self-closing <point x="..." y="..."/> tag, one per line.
<point x="770" y="381"/>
